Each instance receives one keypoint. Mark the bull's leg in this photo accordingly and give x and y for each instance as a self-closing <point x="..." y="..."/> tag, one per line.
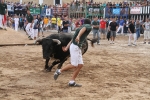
<point x="46" y="63"/>
<point x="61" y="63"/>
<point x="53" y="64"/>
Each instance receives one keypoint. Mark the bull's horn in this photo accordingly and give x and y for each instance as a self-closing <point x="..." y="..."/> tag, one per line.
<point x="39" y="40"/>
<point x="57" y="41"/>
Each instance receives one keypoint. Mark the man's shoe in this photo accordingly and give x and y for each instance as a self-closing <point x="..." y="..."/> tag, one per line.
<point x="74" y="85"/>
<point x="1" y="28"/>
<point x="5" y="29"/>
<point x="98" y="43"/>
<point x="56" y="74"/>
<point x="134" y="45"/>
<point x="148" y="42"/>
<point x="144" y="43"/>
<point x="30" y="39"/>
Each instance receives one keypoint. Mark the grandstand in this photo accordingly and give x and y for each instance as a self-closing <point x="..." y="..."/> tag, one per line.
<point x="63" y="1"/>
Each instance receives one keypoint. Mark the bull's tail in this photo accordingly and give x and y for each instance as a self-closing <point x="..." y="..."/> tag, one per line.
<point x="92" y="41"/>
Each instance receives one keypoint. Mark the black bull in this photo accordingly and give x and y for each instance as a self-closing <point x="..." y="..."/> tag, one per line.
<point x="52" y="48"/>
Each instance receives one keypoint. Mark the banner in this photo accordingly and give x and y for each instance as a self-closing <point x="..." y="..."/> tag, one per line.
<point x="48" y="12"/>
<point x="35" y="11"/>
<point x="10" y="8"/>
<point x="60" y="11"/>
<point x="116" y="12"/>
<point x="135" y="10"/>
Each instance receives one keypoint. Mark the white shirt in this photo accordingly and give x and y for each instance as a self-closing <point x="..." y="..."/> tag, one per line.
<point x="16" y="20"/>
<point x="147" y="25"/>
<point x="127" y="24"/>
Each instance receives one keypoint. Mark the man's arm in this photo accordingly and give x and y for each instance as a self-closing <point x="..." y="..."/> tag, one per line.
<point x="80" y="33"/>
<point x="77" y="39"/>
<point x="143" y="26"/>
<point x="67" y="47"/>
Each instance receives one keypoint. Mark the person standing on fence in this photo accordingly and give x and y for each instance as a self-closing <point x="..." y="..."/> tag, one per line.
<point x="103" y="28"/>
<point x="65" y="25"/>
<point x="132" y="34"/>
<point x="3" y="15"/>
<point x="121" y="25"/>
<point x="16" y="19"/>
<point x="29" y="27"/>
<point x="112" y="28"/>
<point x="95" y="29"/>
<point x="146" y="31"/>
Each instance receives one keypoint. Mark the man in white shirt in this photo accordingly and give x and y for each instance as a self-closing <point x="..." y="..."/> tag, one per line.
<point x="16" y="19"/>
<point x="146" y="31"/>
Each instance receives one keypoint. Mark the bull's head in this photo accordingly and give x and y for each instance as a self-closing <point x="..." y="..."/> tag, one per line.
<point x="48" y="46"/>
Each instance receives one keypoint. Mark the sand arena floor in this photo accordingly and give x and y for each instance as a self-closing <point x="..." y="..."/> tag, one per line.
<point x="111" y="72"/>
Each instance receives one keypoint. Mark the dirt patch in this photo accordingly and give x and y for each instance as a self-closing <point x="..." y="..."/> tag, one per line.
<point x="12" y="37"/>
<point x="111" y="72"/>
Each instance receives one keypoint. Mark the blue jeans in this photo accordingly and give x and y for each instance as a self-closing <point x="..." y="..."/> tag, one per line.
<point x="138" y="32"/>
<point x="65" y="31"/>
<point x="96" y="32"/>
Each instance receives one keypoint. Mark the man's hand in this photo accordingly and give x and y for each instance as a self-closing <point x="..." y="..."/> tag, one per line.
<point x="64" y="49"/>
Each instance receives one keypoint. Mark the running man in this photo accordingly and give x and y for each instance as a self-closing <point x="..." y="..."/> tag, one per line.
<point x="75" y="52"/>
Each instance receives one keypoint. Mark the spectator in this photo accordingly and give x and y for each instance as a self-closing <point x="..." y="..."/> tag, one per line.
<point x="53" y="21"/>
<point x="103" y="28"/>
<point x="112" y="28"/>
<point x="132" y="34"/>
<point x="59" y="24"/>
<point x="3" y="12"/>
<point x="137" y="27"/>
<point x="29" y="27"/>
<point x="95" y="29"/>
<point x="65" y="25"/>
<point x="39" y="28"/>
<point x="126" y="26"/>
<point x="35" y="28"/>
<point x="46" y="20"/>
<point x="16" y="19"/>
<point x="146" y="31"/>
<point x="121" y="25"/>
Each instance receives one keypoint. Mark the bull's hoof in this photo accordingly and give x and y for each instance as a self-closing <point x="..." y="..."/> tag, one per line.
<point x="46" y="70"/>
<point x="49" y="69"/>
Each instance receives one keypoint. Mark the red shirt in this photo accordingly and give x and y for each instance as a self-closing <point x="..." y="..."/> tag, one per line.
<point x="102" y="24"/>
<point x="77" y="24"/>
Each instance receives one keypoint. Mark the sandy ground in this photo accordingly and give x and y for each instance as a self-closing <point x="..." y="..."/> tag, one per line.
<point x="111" y="72"/>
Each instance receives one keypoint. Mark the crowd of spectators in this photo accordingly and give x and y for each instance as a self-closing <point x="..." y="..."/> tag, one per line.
<point x="80" y="4"/>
